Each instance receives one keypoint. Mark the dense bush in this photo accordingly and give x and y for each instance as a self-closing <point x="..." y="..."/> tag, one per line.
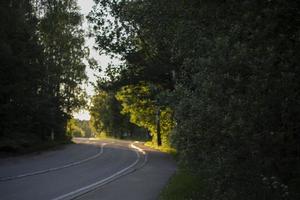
<point x="238" y="108"/>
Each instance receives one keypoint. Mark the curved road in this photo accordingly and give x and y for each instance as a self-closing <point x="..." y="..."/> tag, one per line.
<point x="90" y="169"/>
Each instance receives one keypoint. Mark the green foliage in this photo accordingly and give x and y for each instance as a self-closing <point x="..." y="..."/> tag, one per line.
<point x="118" y="29"/>
<point x="86" y="128"/>
<point x="78" y="128"/>
<point x="107" y="119"/>
<point x="140" y="103"/>
<point x="185" y="185"/>
<point x="101" y="112"/>
<point x="124" y="28"/>
<point x="235" y="114"/>
<point x="62" y="38"/>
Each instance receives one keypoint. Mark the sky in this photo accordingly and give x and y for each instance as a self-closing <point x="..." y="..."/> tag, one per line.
<point x="103" y="60"/>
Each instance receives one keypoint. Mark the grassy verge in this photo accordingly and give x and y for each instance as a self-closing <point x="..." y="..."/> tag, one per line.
<point x="165" y="149"/>
<point x="184" y="186"/>
<point x="104" y="136"/>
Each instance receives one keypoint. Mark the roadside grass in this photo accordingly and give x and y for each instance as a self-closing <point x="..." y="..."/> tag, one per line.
<point x="163" y="148"/>
<point x="104" y="136"/>
<point x="184" y="185"/>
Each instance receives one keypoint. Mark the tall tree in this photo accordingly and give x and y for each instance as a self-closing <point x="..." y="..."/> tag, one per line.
<point x="41" y="51"/>
<point x="62" y="39"/>
<point x="124" y="28"/>
<point x="22" y="72"/>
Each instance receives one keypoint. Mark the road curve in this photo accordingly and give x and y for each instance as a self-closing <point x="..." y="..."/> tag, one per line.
<point x="89" y="169"/>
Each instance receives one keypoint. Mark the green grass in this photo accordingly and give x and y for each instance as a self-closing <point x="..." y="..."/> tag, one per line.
<point x="128" y="138"/>
<point x="165" y="149"/>
<point x="184" y="186"/>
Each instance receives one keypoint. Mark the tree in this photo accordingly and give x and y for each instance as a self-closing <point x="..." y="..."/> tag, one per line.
<point x="130" y="29"/>
<point x="62" y="39"/>
<point x="74" y="129"/>
<point x="22" y="75"/>
<point x="106" y="116"/>
<point x="41" y="51"/>
<point x="118" y="30"/>
<point x="140" y="103"/>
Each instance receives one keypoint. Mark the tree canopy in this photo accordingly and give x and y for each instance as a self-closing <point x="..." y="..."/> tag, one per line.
<point x="107" y="119"/>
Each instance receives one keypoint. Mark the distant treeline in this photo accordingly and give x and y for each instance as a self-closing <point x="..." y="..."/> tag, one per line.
<point x="80" y="128"/>
<point x="223" y="77"/>
<point x="41" y="69"/>
<point x="107" y="119"/>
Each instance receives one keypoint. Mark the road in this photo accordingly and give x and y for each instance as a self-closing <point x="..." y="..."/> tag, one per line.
<point x="89" y="169"/>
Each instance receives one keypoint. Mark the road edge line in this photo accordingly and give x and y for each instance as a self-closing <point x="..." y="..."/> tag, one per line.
<point x="9" y="178"/>
<point x="86" y="189"/>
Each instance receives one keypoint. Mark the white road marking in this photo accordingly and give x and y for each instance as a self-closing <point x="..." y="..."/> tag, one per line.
<point x="143" y="152"/>
<point x="137" y="148"/>
<point x="54" y="168"/>
<point x="88" y="188"/>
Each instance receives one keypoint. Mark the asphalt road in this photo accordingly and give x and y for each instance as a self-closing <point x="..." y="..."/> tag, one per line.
<point x="90" y="169"/>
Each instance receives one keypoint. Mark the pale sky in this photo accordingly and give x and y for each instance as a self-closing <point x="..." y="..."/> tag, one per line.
<point x="103" y="60"/>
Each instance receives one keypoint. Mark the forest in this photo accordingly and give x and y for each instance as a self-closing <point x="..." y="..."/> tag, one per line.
<point x="218" y="81"/>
